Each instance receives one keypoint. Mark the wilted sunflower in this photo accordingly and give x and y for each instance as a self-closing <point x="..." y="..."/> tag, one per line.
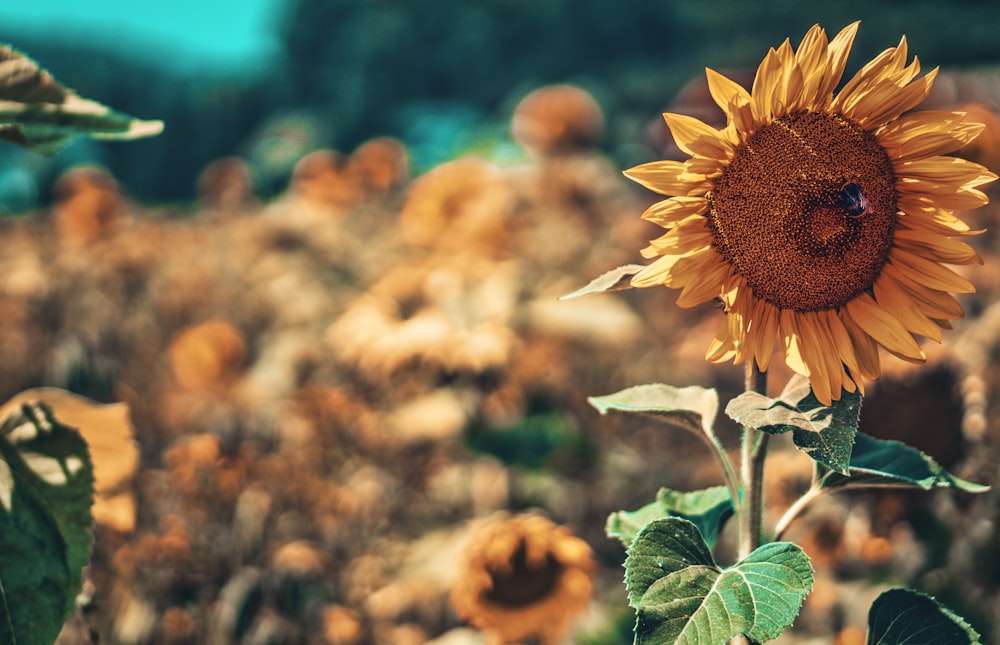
<point x="523" y="577"/>
<point x="820" y="219"/>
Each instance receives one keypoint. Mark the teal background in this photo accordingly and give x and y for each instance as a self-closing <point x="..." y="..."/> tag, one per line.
<point x="251" y="77"/>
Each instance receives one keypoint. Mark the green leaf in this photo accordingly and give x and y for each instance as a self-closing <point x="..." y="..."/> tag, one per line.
<point x="618" y="279"/>
<point x="707" y="509"/>
<point x="37" y="112"/>
<point x="878" y="462"/>
<point x="682" y="596"/>
<point x="825" y="433"/>
<point x="692" y="408"/>
<point x="46" y="491"/>
<point x="907" y="617"/>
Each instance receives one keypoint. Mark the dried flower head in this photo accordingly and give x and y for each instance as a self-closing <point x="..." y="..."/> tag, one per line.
<point x="820" y="219"/>
<point x="523" y="577"/>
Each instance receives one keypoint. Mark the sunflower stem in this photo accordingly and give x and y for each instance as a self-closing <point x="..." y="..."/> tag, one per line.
<point x="751" y="506"/>
<point x="754" y="451"/>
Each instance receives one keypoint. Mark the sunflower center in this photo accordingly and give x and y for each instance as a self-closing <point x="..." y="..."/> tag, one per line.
<point x="524" y="583"/>
<point x="805" y="211"/>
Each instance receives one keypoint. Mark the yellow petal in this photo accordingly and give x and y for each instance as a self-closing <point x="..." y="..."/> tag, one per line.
<point x="923" y="134"/>
<point x="699" y="169"/>
<point x="944" y="170"/>
<point x="811" y="59"/>
<point x="865" y="347"/>
<point x="792" y="342"/>
<point x="918" y="195"/>
<point x="689" y="236"/>
<point x="837" y="54"/>
<point x="937" y="305"/>
<point x="873" y="71"/>
<point x="705" y="283"/>
<point x="841" y="340"/>
<point x="823" y="364"/>
<point x="929" y="273"/>
<point x="740" y="312"/>
<point x="697" y="138"/>
<point x="721" y="349"/>
<point x="765" y="332"/>
<point x="669" y="212"/>
<point x="891" y="296"/>
<point x="789" y="80"/>
<point x="724" y="90"/>
<point x="887" y="102"/>
<point x="935" y="247"/>
<point x="764" y="85"/>
<point x="811" y="53"/>
<point x="936" y="221"/>
<point x="667" y="178"/>
<point x="883" y="327"/>
<point x="741" y="123"/>
<point x="656" y="273"/>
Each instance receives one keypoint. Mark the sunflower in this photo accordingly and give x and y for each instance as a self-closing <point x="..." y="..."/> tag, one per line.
<point x="523" y="577"/>
<point x="819" y="219"/>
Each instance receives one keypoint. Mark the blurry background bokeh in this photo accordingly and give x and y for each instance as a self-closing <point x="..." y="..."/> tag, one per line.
<point x="328" y="293"/>
<point x="272" y="79"/>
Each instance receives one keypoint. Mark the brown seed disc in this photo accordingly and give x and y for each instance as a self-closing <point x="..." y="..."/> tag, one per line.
<point x="805" y="211"/>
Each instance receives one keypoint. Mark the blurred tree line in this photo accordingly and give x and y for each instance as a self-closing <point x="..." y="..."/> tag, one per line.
<point x="431" y="71"/>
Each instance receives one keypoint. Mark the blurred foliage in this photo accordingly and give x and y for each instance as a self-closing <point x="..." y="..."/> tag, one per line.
<point x="538" y="441"/>
<point x="443" y="75"/>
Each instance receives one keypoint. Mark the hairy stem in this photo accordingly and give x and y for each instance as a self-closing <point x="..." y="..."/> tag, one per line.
<point x="752" y="472"/>
<point x="751" y="507"/>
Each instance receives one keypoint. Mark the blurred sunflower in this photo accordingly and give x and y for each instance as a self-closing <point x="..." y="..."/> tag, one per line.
<point x="820" y="219"/>
<point x="523" y="577"/>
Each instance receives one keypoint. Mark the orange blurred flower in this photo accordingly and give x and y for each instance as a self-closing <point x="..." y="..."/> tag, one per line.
<point x="558" y="119"/>
<point x="521" y="577"/>
<point x="460" y="205"/>
<point x="207" y="356"/>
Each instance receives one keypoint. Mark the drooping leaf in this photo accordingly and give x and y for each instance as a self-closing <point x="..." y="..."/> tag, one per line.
<point x="614" y="280"/>
<point x="883" y="462"/>
<point x="682" y="596"/>
<point x="825" y="433"/>
<point x="110" y="436"/>
<point x="707" y="509"/>
<point x="908" y="617"/>
<point x="692" y="408"/>
<point x="46" y="491"/>
<point x="37" y="112"/>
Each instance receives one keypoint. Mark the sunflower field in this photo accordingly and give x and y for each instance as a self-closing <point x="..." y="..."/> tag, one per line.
<point x="425" y="331"/>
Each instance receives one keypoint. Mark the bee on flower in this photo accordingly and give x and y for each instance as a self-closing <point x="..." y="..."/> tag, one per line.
<point x="821" y="219"/>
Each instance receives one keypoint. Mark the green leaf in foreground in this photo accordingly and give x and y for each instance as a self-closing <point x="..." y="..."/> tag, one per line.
<point x="907" y="617"/>
<point x="46" y="491"/>
<point x="691" y="408"/>
<point x="37" y="112"/>
<point x="682" y="596"/>
<point x="825" y="433"/>
<point x="707" y="509"/>
<point x="878" y="462"/>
